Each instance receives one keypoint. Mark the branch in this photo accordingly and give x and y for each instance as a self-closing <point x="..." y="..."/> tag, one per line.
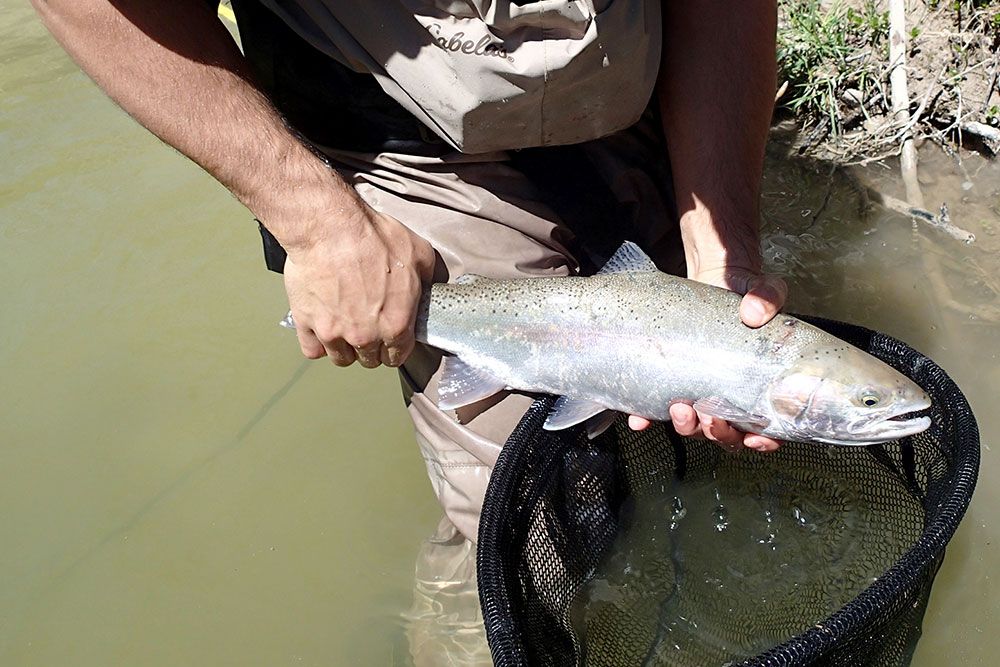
<point x="901" y="100"/>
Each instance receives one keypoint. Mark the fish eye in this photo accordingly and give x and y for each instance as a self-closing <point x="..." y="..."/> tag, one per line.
<point x="870" y="399"/>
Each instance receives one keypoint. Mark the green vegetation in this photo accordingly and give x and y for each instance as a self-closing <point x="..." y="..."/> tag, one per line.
<point x="834" y="58"/>
<point x="831" y="57"/>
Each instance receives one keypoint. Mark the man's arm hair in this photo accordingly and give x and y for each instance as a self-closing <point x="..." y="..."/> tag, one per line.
<point x="716" y="92"/>
<point x="174" y="67"/>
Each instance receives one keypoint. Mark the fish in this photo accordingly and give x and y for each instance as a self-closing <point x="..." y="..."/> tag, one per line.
<point x="632" y="339"/>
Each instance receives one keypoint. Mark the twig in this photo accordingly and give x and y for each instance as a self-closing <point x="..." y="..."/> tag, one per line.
<point x="826" y="197"/>
<point x="781" y="91"/>
<point x="868" y="160"/>
<point x="940" y="221"/>
<point x="992" y="84"/>
<point x="915" y="118"/>
<point x="958" y="115"/>
<point x="901" y="100"/>
<point x="989" y="135"/>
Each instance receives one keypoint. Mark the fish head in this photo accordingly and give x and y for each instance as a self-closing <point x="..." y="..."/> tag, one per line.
<point x="837" y="394"/>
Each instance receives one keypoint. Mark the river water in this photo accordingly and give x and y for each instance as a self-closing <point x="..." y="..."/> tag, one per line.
<point x="935" y="292"/>
<point x="179" y="486"/>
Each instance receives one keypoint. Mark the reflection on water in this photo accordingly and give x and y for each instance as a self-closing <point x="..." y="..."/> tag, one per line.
<point x="444" y="626"/>
<point x="178" y="490"/>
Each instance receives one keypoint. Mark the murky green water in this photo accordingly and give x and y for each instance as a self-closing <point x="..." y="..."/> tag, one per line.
<point x="180" y="487"/>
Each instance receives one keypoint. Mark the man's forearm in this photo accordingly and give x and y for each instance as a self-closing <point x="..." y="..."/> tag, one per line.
<point x="716" y="91"/>
<point x="173" y="67"/>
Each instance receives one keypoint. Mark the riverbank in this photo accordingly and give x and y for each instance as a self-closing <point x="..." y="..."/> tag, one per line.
<point x="840" y="79"/>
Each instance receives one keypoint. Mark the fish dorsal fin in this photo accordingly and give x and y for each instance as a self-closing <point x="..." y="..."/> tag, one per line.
<point x="570" y="412"/>
<point x="629" y="258"/>
<point x="462" y="384"/>
<point x="723" y="409"/>
<point x="468" y="279"/>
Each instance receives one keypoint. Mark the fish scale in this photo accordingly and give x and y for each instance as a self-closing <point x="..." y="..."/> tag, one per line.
<point x="607" y="338"/>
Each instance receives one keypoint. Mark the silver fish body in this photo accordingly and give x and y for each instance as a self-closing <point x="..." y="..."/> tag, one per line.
<point x="634" y="340"/>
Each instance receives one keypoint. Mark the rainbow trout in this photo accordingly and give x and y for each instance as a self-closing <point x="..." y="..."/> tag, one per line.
<point x="633" y="339"/>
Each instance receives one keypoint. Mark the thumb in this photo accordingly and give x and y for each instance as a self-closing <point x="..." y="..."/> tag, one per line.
<point x="764" y="298"/>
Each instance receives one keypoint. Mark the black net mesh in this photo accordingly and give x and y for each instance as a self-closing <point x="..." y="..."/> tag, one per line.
<point x="571" y="573"/>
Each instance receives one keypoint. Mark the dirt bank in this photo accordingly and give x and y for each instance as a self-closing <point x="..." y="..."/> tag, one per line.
<point x="835" y="58"/>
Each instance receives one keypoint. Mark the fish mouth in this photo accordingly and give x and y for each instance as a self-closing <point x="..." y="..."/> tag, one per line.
<point x="895" y="425"/>
<point x="904" y="425"/>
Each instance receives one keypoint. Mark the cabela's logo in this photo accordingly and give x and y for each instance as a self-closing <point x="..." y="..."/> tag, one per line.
<point x="458" y="43"/>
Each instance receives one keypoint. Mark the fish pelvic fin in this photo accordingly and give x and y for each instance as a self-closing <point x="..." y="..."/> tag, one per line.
<point x="570" y="412"/>
<point x="462" y="384"/>
<point x="629" y="258"/>
<point x="600" y="423"/>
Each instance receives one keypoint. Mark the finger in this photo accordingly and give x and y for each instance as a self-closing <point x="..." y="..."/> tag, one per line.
<point x="369" y="355"/>
<point x="383" y="355"/>
<point x="309" y="343"/>
<point x="720" y="431"/>
<point x="761" y="443"/>
<point x="397" y="349"/>
<point x="341" y="353"/>
<point x="764" y="298"/>
<point x="685" y="419"/>
<point x="637" y="423"/>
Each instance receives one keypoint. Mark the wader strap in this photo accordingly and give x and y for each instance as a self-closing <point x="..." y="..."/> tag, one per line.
<point x="274" y="254"/>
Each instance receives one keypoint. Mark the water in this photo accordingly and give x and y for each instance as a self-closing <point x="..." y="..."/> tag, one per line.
<point x="180" y="487"/>
<point x="937" y="294"/>
<point x="743" y="555"/>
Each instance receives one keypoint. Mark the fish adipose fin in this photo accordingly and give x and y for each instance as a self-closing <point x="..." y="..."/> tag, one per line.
<point x="570" y="412"/>
<point x="629" y="258"/>
<point x="723" y="409"/>
<point x="462" y="385"/>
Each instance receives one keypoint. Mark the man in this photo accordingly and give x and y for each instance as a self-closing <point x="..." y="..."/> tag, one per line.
<point x="385" y="145"/>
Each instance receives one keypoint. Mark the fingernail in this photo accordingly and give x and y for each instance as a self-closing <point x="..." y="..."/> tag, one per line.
<point x="759" y="444"/>
<point x="755" y="309"/>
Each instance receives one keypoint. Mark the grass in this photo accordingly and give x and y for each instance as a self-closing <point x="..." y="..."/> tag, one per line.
<point x="834" y="57"/>
<point x="830" y="56"/>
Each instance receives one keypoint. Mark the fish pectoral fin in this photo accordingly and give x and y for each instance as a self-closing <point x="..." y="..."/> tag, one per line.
<point x="570" y="412"/>
<point x="629" y="258"/>
<point x="723" y="409"/>
<point x="462" y="384"/>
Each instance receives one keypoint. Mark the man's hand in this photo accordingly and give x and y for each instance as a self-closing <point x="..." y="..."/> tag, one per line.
<point x="353" y="276"/>
<point x="355" y="297"/>
<point x="716" y="94"/>
<point x="764" y="296"/>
